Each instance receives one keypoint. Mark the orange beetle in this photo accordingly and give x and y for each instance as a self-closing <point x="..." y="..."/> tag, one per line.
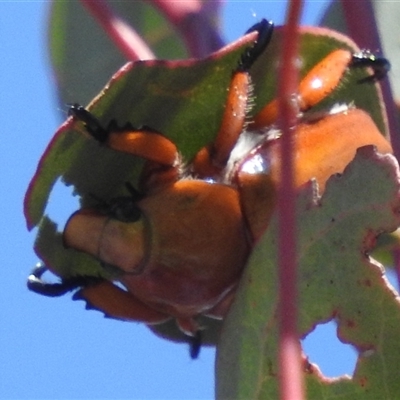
<point x="181" y="241"/>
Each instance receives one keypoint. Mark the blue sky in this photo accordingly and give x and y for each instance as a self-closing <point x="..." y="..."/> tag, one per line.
<point x="54" y="348"/>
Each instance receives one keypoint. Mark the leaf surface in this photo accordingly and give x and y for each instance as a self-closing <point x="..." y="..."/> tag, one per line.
<point x="337" y="279"/>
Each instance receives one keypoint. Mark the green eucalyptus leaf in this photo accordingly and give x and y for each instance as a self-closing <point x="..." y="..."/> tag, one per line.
<point x="337" y="279"/>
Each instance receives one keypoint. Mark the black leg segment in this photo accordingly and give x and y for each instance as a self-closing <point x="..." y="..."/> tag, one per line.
<point x="37" y="285"/>
<point x="92" y="124"/>
<point x="265" y="29"/>
<point x="365" y="58"/>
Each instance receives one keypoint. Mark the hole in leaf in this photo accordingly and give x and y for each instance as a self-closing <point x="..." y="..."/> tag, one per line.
<point x="62" y="203"/>
<point x="391" y="276"/>
<point x="333" y="357"/>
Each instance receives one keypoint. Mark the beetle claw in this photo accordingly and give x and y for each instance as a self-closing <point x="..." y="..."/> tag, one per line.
<point x="380" y="65"/>
<point x="77" y="296"/>
<point x="264" y="29"/>
<point x="37" y="285"/>
<point x="192" y="331"/>
<point x="195" y="344"/>
<point x="92" y="124"/>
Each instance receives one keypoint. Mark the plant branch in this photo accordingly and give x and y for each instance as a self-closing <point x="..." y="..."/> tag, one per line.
<point x="124" y="36"/>
<point x="291" y="384"/>
<point x="197" y="22"/>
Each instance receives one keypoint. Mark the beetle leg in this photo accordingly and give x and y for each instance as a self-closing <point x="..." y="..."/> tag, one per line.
<point x="113" y="301"/>
<point x="192" y="331"/>
<point x="380" y="65"/>
<point x="195" y="344"/>
<point x="92" y="124"/>
<point x="99" y="294"/>
<point x="319" y="82"/>
<point x="212" y="159"/>
<point x="37" y="285"/>
<point x="322" y="80"/>
<point x="117" y="303"/>
<point x="264" y="29"/>
<point x="144" y="142"/>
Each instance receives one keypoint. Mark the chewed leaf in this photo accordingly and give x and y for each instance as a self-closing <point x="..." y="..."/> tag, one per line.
<point x="184" y="100"/>
<point x="386" y="248"/>
<point x="337" y="279"/>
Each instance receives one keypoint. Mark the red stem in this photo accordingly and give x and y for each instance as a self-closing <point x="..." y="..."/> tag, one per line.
<point x="362" y="28"/>
<point x="291" y="383"/>
<point x="175" y="12"/>
<point x="123" y="35"/>
<point x="197" y="22"/>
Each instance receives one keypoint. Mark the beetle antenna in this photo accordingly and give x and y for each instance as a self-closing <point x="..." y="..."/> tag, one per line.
<point x="265" y="29"/>
<point x="37" y="285"/>
<point x="91" y="123"/>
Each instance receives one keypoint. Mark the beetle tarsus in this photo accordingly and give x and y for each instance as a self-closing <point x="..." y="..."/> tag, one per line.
<point x="264" y="29"/>
<point x="92" y="124"/>
<point x="380" y="65"/>
<point x="37" y="285"/>
<point x="195" y="344"/>
<point x="94" y="127"/>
